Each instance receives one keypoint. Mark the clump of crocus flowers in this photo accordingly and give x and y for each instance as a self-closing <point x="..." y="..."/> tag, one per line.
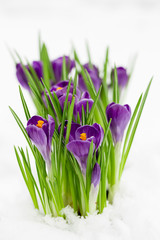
<point x="81" y="135"/>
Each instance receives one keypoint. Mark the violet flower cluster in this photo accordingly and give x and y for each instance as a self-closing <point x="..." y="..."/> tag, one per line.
<point x="80" y="146"/>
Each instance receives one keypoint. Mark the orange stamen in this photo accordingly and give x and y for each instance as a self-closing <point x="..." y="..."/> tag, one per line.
<point x="40" y="123"/>
<point x="58" y="88"/>
<point x="83" y="136"/>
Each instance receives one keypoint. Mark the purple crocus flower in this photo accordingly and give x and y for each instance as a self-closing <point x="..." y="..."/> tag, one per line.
<point x="83" y="136"/>
<point x="40" y="132"/>
<point x="70" y="96"/>
<point x="21" y="76"/>
<point x="61" y="88"/>
<point x="85" y="133"/>
<point x="80" y="150"/>
<point x="96" y="174"/>
<point x="57" y="65"/>
<point x="38" y="68"/>
<point x="122" y="76"/>
<point x="89" y="133"/>
<point x="120" y="116"/>
<point x="84" y="99"/>
<point x="94" y="74"/>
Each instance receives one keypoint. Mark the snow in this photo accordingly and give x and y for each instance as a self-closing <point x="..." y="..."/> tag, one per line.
<point x="128" y="27"/>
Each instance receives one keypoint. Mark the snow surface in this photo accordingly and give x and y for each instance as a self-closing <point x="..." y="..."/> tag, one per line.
<point x="128" y="27"/>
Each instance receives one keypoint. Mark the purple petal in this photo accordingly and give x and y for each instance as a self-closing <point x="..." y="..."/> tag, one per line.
<point x="94" y="75"/>
<point x="80" y="150"/>
<point x="39" y="139"/>
<point x="64" y="86"/>
<point x="74" y="127"/>
<point x="38" y="67"/>
<point x="101" y="133"/>
<point x="93" y="69"/>
<point x="33" y="120"/>
<point x="121" y="75"/>
<point x="57" y="65"/>
<point x="41" y="135"/>
<point x="85" y="95"/>
<point x="91" y="134"/>
<point x="96" y="174"/>
<point x="84" y="103"/>
<point x="120" y="116"/>
<point x="21" y="76"/>
<point x="63" y="98"/>
<point x="51" y="128"/>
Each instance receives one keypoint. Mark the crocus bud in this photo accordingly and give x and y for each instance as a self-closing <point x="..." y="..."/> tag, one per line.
<point x="94" y="75"/>
<point x="120" y="116"/>
<point x="122" y="77"/>
<point x="21" y="76"/>
<point x="57" y="66"/>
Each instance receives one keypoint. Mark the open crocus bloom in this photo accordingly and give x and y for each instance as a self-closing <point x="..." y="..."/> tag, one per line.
<point x="61" y="88"/>
<point x="89" y="133"/>
<point x="94" y="75"/>
<point x="81" y="144"/>
<point x="122" y="76"/>
<point x="57" y="66"/>
<point x="40" y="132"/>
<point x="120" y="116"/>
<point x="80" y="150"/>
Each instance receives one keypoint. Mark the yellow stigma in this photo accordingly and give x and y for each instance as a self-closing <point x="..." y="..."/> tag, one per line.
<point x="40" y="123"/>
<point x="83" y="136"/>
<point x="58" y="88"/>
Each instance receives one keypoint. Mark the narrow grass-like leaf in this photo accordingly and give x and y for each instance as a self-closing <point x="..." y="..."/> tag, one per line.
<point x="104" y="92"/>
<point x="89" y="170"/>
<point x="94" y="106"/>
<point x="133" y="131"/>
<point x="30" y="182"/>
<point x="131" y="124"/>
<point x="64" y="69"/>
<point x="54" y="102"/>
<point x="25" y="107"/>
<point x="47" y="66"/>
<point x="89" y="56"/>
<point x="115" y="87"/>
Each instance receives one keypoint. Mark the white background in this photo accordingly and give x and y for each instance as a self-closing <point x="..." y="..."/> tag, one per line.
<point x="128" y="27"/>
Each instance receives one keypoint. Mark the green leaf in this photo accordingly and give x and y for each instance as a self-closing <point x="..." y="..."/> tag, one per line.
<point x="94" y="106"/>
<point x="136" y="115"/>
<point x="55" y="102"/>
<point x="89" y="170"/>
<point x="64" y="69"/>
<point x="89" y="56"/>
<point x="104" y="92"/>
<point x="25" y="107"/>
<point x="115" y="87"/>
<point x="47" y="66"/>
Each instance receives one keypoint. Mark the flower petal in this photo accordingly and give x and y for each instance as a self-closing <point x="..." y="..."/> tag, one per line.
<point x="80" y="150"/>
<point x="120" y="116"/>
<point x="96" y="174"/>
